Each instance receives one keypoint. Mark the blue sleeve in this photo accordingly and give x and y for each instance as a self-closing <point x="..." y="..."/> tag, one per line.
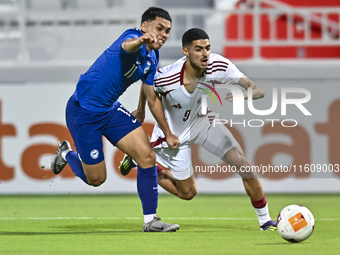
<point x="128" y="34"/>
<point x="149" y="77"/>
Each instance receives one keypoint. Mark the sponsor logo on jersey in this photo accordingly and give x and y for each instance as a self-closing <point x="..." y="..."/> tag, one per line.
<point x="177" y="106"/>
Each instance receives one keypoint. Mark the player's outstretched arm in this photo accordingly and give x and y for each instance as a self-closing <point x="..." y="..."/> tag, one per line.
<point x="246" y="83"/>
<point x="156" y="108"/>
<point x="132" y="45"/>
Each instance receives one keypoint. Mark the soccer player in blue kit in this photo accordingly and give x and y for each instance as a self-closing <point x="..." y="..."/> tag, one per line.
<point x="94" y="111"/>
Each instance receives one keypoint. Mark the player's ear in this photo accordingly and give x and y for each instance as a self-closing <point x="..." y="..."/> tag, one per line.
<point x="144" y="26"/>
<point x="185" y="51"/>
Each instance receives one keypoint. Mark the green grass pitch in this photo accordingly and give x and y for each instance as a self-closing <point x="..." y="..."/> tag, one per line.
<point x="111" y="224"/>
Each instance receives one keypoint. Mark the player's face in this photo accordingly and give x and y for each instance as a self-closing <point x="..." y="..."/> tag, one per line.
<point x="198" y="53"/>
<point x="159" y="27"/>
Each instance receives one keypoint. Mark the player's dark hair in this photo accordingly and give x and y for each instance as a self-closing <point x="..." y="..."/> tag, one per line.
<point x="153" y="12"/>
<point x="193" y="34"/>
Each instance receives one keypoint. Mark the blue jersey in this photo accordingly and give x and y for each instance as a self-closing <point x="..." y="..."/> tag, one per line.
<point x="113" y="72"/>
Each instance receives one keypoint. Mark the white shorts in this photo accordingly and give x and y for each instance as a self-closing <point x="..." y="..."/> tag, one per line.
<point x="219" y="141"/>
<point x="178" y="161"/>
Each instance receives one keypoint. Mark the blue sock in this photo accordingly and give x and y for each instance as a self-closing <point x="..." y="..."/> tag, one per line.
<point x="147" y="187"/>
<point x="76" y="166"/>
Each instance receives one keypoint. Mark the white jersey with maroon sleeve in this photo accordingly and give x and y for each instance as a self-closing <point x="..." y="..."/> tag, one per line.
<point x="183" y="109"/>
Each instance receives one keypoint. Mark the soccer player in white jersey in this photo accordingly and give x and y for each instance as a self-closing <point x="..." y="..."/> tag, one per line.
<point x="180" y="87"/>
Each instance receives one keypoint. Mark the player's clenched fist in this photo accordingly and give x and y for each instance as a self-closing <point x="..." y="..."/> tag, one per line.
<point x="172" y="141"/>
<point x="147" y="38"/>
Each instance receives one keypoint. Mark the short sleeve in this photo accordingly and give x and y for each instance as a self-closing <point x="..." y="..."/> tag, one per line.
<point x="232" y="74"/>
<point x="150" y="75"/>
<point x="148" y="78"/>
<point x="129" y="34"/>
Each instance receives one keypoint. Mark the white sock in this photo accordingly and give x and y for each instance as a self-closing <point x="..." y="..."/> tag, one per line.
<point x="263" y="214"/>
<point x="148" y="217"/>
<point x="64" y="153"/>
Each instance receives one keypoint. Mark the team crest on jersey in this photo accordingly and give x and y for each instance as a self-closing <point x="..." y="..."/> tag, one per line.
<point x="94" y="154"/>
<point x="147" y="68"/>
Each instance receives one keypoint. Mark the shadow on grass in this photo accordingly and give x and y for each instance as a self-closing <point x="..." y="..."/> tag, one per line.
<point x="8" y="233"/>
<point x="283" y="243"/>
<point x="80" y="229"/>
<point x="120" y="228"/>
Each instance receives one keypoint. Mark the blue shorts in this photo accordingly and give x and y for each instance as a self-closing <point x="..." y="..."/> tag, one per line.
<point x="88" y="128"/>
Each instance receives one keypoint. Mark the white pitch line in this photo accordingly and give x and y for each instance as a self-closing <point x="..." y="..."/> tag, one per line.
<point x="133" y="218"/>
<point x="116" y="218"/>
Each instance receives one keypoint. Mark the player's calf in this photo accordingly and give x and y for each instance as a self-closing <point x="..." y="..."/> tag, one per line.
<point x="187" y="188"/>
<point x="95" y="174"/>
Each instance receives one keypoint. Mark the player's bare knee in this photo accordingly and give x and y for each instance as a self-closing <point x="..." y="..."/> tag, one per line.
<point x="96" y="181"/>
<point x="147" y="158"/>
<point x="192" y="194"/>
<point x="162" y="175"/>
<point x="152" y="157"/>
<point x="188" y="196"/>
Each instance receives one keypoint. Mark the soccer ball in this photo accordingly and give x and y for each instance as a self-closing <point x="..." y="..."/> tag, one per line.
<point x="295" y="223"/>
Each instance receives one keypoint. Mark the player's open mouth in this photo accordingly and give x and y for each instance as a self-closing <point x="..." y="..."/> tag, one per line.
<point x="204" y="62"/>
<point x="161" y="42"/>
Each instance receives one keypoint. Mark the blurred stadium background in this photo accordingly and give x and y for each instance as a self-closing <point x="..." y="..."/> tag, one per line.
<point x="46" y="45"/>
